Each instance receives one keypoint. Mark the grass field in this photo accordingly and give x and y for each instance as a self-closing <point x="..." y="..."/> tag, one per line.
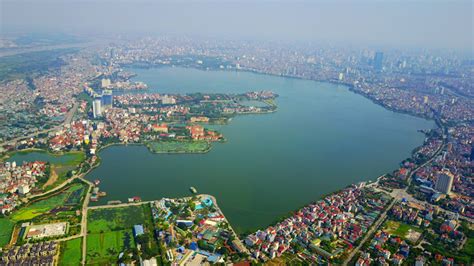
<point x="179" y="146"/>
<point x="103" y="248"/>
<point x="469" y="247"/>
<point x="71" y="252"/>
<point x="112" y="219"/>
<point x="43" y="206"/>
<point x="110" y="232"/>
<point x="403" y="230"/>
<point x="6" y="228"/>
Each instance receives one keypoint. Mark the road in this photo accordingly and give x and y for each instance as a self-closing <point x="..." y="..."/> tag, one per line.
<point x="84" y="221"/>
<point x="397" y="195"/>
<point x="118" y="205"/>
<point x="242" y="247"/>
<point x="68" y="181"/>
<point x="369" y="233"/>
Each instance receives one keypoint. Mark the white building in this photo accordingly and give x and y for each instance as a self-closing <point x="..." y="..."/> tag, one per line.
<point x="23" y="189"/>
<point x="444" y="182"/>
<point x="97" y="107"/>
<point x="105" y="83"/>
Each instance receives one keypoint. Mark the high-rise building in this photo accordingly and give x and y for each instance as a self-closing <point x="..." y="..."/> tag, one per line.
<point x="444" y="182"/>
<point x="341" y="76"/>
<point x="378" y="61"/>
<point x="96" y="107"/>
<point x="107" y="99"/>
<point x="105" y="83"/>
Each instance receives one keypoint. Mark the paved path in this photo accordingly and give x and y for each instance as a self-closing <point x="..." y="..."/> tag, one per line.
<point x="84" y="221"/>
<point x="108" y="206"/>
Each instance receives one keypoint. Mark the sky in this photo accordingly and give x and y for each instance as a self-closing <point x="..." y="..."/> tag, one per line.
<point x="406" y="23"/>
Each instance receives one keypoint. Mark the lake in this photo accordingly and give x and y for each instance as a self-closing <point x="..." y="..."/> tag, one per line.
<point x="322" y="138"/>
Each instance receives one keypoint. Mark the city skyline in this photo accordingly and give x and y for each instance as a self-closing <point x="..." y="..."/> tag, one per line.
<point x="402" y="24"/>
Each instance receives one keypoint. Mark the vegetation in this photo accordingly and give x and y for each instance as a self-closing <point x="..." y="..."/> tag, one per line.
<point x="104" y="247"/>
<point x="402" y="230"/>
<point x="43" y="206"/>
<point x="112" y="219"/>
<point x="179" y="146"/>
<point x="6" y="228"/>
<point x="27" y="65"/>
<point x="61" y="165"/>
<point x="71" y="252"/>
<point x="110" y="232"/>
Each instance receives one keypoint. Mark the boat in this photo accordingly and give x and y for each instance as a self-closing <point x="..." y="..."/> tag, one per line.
<point x="193" y="190"/>
<point x="96" y="182"/>
<point x="134" y="199"/>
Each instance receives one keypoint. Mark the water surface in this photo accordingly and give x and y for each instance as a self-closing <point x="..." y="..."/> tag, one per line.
<point x="322" y="138"/>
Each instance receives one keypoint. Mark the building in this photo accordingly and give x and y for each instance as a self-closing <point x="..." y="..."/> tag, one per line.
<point x="97" y="107"/>
<point x="341" y="76"/>
<point x="46" y="230"/>
<point x="23" y="189"/>
<point x="106" y="83"/>
<point x="162" y="128"/>
<point x="444" y="182"/>
<point x="138" y="230"/>
<point x="378" y="61"/>
<point x="107" y="99"/>
<point x="168" y="100"/>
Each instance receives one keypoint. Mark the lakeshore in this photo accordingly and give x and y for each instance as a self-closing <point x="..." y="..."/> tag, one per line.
<point x="294" y="99"/>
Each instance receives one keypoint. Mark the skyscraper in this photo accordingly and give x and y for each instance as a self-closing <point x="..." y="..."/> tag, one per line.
<point x="96" y="107"/>
<point x="378" y="61"/>
<point x="107" y="99"/>
<point x="444" y="182"/>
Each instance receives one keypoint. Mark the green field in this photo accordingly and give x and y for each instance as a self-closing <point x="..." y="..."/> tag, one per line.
<point x="469" y="247"/>
<point x="179" y="146"/>
<point x="71" y="252"/>
<point x="112" y="219"/>
<point x="110" y="232"/>
<point x="6" y="228"/>
<point x="105" y="247"/>
<point x="43" y="206"/>
<point x="403" y="230"/>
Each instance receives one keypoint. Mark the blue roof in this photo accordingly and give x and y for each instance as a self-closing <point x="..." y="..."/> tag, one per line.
<point x="193" y="246"/>
<point x="138" y="229"/>
<point x="207" y="202"/>
<point x="213" y="258"/>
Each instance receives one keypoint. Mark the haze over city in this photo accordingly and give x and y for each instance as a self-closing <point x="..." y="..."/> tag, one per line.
<point x="236" y="132"/>
<point x="405" y="23"/>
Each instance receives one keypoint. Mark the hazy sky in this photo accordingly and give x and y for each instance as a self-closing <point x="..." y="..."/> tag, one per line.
<point x="422" y="23"/>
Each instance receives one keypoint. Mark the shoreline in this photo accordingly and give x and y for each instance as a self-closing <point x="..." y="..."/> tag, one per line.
<point x="348" y="86"/>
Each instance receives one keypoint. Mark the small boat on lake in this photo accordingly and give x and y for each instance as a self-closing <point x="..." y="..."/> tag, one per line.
<point x="193" y="190"/>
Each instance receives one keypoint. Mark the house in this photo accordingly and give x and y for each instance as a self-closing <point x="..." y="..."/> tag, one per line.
<point x="162" y="128"/>
<point x="138" y="230"/>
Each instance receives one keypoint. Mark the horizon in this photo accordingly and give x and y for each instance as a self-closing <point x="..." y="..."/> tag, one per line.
<point x="400" y="24"/>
